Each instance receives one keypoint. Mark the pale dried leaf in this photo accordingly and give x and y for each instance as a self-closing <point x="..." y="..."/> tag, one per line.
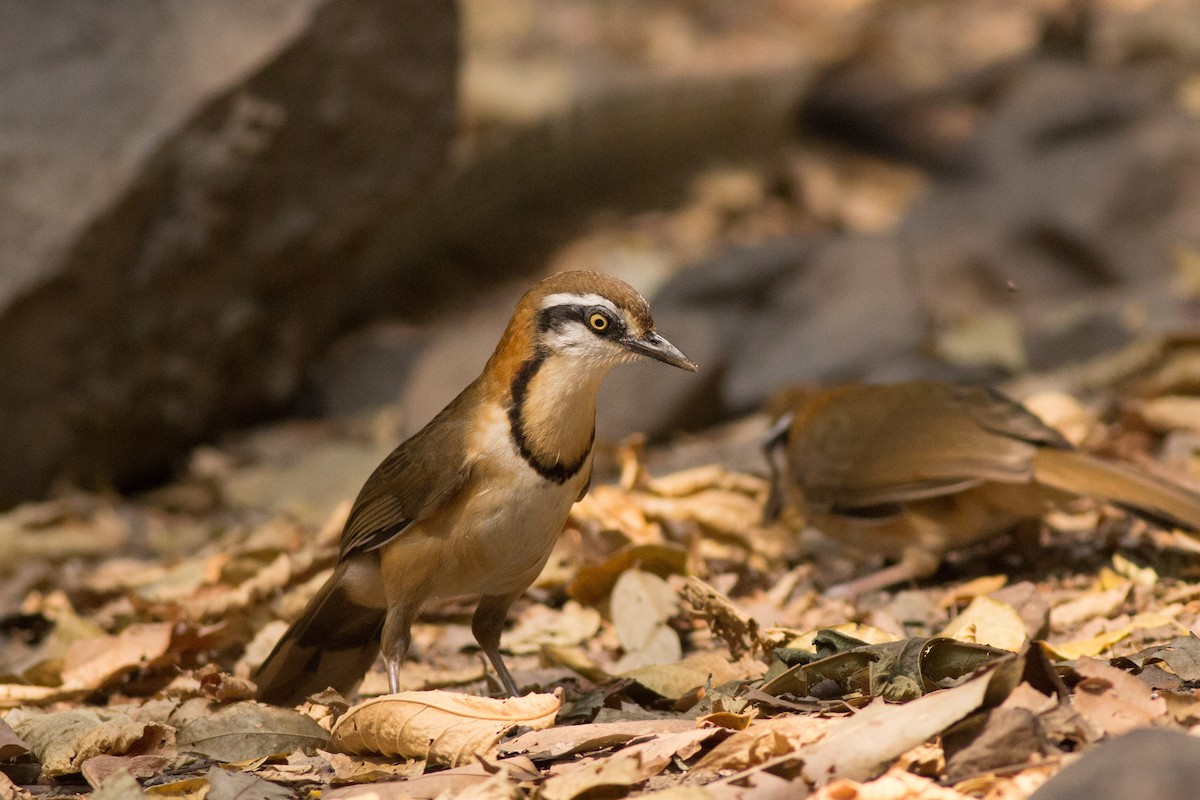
<point x="895" y="784"/>
<point x="988" y="621"/>
<point x="120" y="785"/>
<point x="641" y="605"/>
<point x="673" y="681"/>
<point x="250" y="730"/>
<point x="612" y="777"/>
<point x="541" y="625"/>
<point x="443" y="727"/>
<point x="97" y="769"/>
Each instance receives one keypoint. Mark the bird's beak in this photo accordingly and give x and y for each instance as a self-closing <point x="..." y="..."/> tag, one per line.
<point x="658" y="348"/>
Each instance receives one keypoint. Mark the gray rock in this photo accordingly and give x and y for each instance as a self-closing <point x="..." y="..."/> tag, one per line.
<point x="178" y="180"/>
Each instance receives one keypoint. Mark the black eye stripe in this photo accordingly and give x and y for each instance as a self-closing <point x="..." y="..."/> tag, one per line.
<point x="555" y="316"/>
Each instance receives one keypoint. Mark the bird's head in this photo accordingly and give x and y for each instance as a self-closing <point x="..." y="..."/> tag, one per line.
<point x="592" y="318"/>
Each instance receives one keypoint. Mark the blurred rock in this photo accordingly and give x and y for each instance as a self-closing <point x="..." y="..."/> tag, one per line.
<point x="1148" y="762"/>
<point x="178" y="180"/>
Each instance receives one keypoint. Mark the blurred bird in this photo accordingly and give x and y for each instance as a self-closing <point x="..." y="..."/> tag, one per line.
<point x="914" y="470"/>
<point x="473" y="502"/>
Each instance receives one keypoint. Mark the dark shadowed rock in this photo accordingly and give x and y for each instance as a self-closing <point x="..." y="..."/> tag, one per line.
<point x="189" y="188"/>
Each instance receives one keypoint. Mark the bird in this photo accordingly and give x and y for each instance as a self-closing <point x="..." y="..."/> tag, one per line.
<point x="913" y="470"/>
<point x="472" y="503"/>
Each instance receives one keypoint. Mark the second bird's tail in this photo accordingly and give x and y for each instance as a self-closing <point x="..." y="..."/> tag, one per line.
<point x="1157" y="499"/>
<point x="332" y="644"/>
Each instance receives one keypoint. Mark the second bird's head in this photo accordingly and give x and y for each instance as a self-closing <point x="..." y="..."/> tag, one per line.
<point x="590" y="319"/>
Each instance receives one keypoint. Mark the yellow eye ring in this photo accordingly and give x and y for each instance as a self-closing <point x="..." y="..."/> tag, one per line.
<point x="598" y="321"/>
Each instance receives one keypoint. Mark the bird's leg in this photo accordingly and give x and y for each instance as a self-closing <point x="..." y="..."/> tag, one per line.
<point x="486" y="625"/>
<point x="914" y="564"/>
<point x="397" y="634"/>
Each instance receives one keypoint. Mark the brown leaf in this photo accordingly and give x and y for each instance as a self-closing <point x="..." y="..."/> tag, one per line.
<point x="541" y="626"/>
<point x="443" y="727"/>
<point x="594" y="582"/>
<point x="762" y="741"/>
<point x="733" y="626"/>
<point x="97" y="769"/>
<point x="857" y="747"/>
<point x="612" y="776"/>
<point x="1114" y="700"/>
<point x="988" y="621"/>
<point x="455" y="782"/>
<point x="575" y="739"/>
<point x="63" y="741"/>
<point x="895" y="784"/>
<point x="250" y="730"/>
<point x="226" y="785"/>
<point x="11" y="745"/>
<point x="94" y="663"/>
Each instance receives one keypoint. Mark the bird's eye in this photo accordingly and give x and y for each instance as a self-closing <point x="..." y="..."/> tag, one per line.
<point x="598" y="321"/>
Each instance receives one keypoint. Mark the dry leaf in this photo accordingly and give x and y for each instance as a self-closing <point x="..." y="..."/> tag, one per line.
<point x="541" y="625"/>
<point x="250" y="730"/>
<point x="11" y="745"/>
<point x="612" y="776"/>
<point x="594" y="582"/>
<point x="1114" y="700"/>
<point x="762" y="741"/>
<point x="641" y="605"/>
<point x="856" y="748"/>
<point x="673" y="681"/>
<point x="990" y="622"/>
<point x="94" y="663"/>
<point x="575" y="739"/>
<point x="733" y="626"/>
<point x="895" y="784"/>
<point x="226" y="785"/>
<point x="1065" y="616"/>
<point x="63" y="741"/>
<point x="443" y="727"/>
<point x="96" y="770"/>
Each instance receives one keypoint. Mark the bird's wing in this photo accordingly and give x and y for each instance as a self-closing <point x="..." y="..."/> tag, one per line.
<point x="412" y="483"/>
<point x="871" y="446"/>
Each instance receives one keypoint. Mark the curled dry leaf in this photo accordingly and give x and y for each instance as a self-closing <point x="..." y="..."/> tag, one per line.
<point x="443" y="727"/>
<point x="895" y="784"/>
<point x="733" y="626"/>
<point x="11" y="745"/>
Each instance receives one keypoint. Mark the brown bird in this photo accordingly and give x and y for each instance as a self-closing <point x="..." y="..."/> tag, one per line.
<point x="914" y="470"/>
<point x="473" y="502"/>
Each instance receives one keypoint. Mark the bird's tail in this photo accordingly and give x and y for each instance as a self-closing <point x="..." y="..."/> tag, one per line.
<point x="1157" y="499"/>
<point x="332" y="644"/>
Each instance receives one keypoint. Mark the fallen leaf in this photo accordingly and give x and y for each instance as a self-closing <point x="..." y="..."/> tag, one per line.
<point x="612" y="776"/>
<point x="856" y="748"/>
<point x="990" y="622"/>
<point x="120" y="785"/>
<point x="1090" y="604"/>
<point x="96" y="662"/>
<point x="729" y="623"/>
<point x="442" y="727"/>
<point x="1091" y="646"/>
<point x="97" y="769"/>
<point x="11" y="745"/>
<point x="1114" y="700"/>
<point x="895" y="784"/>
<point x="576" y="739"/>
<point x="673" y="681"/>
<point x="226" y="785"/>
<point x="250" y="730"/>
<point x="762" y="741"/>
<point x="63" y="741"/>
<point x="542" y="626"/>
<point x="641" y="606"/>
<point x="449" y="783"/>
<point x="594" y="582"/>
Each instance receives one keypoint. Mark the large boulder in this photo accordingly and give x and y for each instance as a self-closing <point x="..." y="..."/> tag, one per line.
<point x="187" y="189"/>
